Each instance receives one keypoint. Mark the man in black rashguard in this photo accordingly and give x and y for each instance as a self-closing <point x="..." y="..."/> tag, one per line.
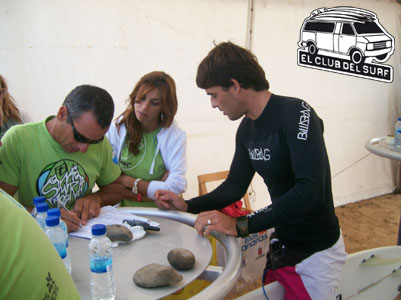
<point x="280" y="138"/>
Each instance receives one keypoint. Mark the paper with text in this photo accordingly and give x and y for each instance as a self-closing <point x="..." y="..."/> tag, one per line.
<point x="108" y="216"/>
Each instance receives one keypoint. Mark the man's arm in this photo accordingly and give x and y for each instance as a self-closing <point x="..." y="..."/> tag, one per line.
<point x="170" y="200"/>
<point x="110" y="194"/>
<point x="205" y="222"/>
<point x="89" y="206"/>
<point x="311" y="174"/>
<point x="71" y="220"/>
<point x="213" y="220"/>
<point x="10" y="189"/>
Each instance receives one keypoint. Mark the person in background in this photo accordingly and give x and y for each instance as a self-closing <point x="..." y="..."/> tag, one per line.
<point x="63" y="157"/>
<point x="9" y="112"/>
<point x="280" y="138"/>
<point x="147" y="143"/>
<point x="31" y="267"/>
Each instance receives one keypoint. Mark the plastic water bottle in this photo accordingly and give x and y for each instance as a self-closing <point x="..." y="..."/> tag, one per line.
<point x="41" y="214"/>
<point x="397" y="135"/>
<point x="100" y="260"/>
<point x="36" y="200"/>
<point x="58" y="237"/>
<point x="56" y="212"/>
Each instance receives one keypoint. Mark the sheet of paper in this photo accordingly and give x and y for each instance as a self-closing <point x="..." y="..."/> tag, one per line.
<point x="108" y="216"/>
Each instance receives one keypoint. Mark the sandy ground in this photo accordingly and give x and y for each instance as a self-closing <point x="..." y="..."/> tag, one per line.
<point x="370" y="223"/>
<point x="365" y="224"/>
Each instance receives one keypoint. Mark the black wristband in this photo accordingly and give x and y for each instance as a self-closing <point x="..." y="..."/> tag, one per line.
<point x="242" y="226"/>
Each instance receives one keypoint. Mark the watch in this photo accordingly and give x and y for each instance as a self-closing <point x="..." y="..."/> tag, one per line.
<point x="135" y="186"/>
<point x="242" y="226"/>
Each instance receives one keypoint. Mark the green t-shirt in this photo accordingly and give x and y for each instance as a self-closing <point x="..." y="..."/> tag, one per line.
<point x="31" y="267"/>
<point x="34" y="162"/>
<point x="139" y="166"/>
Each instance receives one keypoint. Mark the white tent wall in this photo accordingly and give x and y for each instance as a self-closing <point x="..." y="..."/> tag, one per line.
<point x="354" y="109"/>
<point x="47" y="47"/>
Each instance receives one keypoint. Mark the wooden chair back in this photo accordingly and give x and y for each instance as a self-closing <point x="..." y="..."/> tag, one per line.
<point x="210" y="177"/>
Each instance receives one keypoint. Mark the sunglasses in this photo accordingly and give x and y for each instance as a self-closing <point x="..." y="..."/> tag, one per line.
<point x="79" y="137"/>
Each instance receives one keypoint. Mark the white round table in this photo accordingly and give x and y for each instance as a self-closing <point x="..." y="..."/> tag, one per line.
<point x="176" y="231"/>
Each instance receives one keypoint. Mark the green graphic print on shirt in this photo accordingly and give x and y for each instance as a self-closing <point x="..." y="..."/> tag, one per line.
<point x="33" y="161"/>
<point x="64" y="179"/>
<point x="138" y="166"/>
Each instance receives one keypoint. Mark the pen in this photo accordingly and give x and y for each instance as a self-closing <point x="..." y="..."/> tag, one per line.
<point x="66" y="209"/>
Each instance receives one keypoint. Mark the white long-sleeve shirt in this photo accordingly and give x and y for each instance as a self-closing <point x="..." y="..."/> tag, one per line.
<point x="172" y="144"/>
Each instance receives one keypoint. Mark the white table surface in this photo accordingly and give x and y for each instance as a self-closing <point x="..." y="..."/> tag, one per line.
<point x="379" y="147"/>
<point x="153" y="248"/>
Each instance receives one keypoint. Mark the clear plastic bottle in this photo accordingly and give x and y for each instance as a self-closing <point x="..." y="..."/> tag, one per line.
<point x="100" y="260"/>
<point x="36" y="200"/>
<point x="397" y="134"/>
<point x="41" y="214"/>
<point x="56" y="212"/>
<point x="58" y="237"/>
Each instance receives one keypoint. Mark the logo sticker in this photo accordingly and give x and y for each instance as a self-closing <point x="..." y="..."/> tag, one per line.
<point x="346" y="40"/>
<point x="65" y="180"/>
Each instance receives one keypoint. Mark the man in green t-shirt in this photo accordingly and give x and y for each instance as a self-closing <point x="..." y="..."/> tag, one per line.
<point x="63" y="157"/>
<point x="31" y="267"/>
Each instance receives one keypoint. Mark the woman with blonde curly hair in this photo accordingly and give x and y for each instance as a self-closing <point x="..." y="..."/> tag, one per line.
<point x="9" y="113"/>
<point x="148" y="144"/>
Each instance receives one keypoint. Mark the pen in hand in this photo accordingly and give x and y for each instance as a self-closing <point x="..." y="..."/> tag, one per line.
<point x="67" y="210"/>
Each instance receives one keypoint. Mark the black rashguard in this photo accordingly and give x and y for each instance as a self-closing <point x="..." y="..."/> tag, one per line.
<point x="285" y="146"/>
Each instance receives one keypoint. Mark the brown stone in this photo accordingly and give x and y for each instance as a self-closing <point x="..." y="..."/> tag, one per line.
<point x="118" y="233"/>
<point x="155" y="275"/>
<point x="181" y="259"/>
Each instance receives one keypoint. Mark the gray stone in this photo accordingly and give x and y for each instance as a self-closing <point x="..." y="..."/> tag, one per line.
<point x="118" y="233"/>
<point x="155" y="275"/>
<point x="181" y="259"/>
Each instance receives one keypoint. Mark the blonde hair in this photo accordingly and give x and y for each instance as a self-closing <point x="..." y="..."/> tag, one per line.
<point x="9" y="108"/>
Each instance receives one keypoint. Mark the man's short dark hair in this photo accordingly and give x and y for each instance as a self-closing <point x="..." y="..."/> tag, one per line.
<point x="228" y="61"/>
<point x="86" y="98"/>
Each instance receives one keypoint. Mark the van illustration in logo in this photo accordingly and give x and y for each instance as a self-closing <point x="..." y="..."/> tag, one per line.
<point x="346" y="30"/>
<point x="348" y="34"/>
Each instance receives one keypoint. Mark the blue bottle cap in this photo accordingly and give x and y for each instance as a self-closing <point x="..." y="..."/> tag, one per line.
<point x="54" y="212"/>
<point x="42" y="207"/>
<point x="98" y="229"/>
<point x="52" y="221"/>
<point x="39" y="199"/>
<point x="399" y="119"/>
